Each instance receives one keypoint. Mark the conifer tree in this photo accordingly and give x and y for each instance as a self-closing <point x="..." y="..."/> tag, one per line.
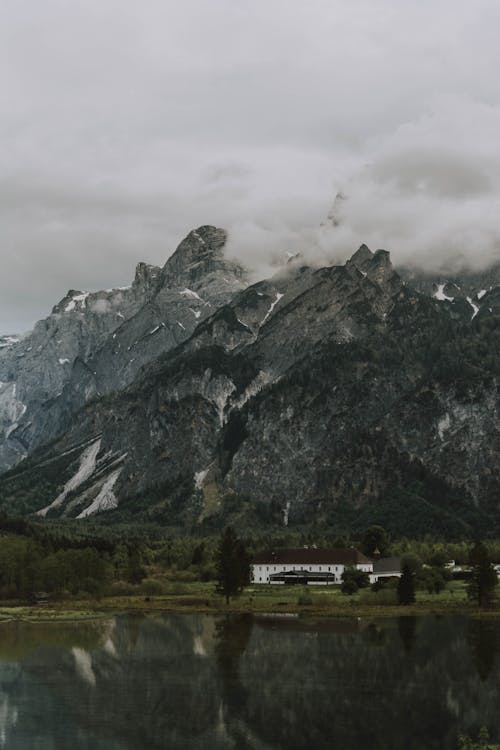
<point x="484" y="578"/>
<point x="233" y="565"/>
<point x="406" y="586"/>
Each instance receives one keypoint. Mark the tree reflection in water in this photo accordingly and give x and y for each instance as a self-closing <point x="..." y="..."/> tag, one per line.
<point x="265" y="683"/>
<point x="407" y="629"/>
<point x="482" y="637"/>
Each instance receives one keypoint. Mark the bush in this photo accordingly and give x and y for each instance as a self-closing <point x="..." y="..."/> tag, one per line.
<point x="152" y="587"/>
<point x="349" y="587"/>
<point x="354" y="579"/>
<point x="186" y="576"/>
<point x="384" y="584"/>
<point x="91" y="587"/>
<point x="122" y="588"/>
<point x="207" y="573"/>
<point x="432" y="580"/>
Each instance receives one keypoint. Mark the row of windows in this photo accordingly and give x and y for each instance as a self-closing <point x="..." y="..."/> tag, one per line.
<point x="301" y="567"/>
<point x="267" y="580"/>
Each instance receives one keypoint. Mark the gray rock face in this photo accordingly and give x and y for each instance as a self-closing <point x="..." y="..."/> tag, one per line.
<point x="466" y="293"/>
<point x="95" y="343"/>
<point x="338" y="395"/>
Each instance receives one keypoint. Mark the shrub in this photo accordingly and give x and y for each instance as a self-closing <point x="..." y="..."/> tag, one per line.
<point x="349" y="586"/>
<point x="122" y="588"/>
<point x="152" y="587"/>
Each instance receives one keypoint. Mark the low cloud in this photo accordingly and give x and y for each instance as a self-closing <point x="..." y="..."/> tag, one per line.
<point x="124" y="126"/>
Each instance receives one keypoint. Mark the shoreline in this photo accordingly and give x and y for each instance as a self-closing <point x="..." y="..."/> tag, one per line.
<point x="79" y="610"/>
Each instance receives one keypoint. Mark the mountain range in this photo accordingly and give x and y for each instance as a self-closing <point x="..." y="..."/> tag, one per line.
<point x="337" y="396"/>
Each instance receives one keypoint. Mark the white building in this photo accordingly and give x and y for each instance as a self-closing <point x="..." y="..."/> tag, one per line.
<point x="386" y="567"/>
<point x="307" y="565"/>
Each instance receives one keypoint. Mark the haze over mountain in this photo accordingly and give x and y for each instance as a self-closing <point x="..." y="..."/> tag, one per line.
<point x="124" y="124"/>
<point x="339" y="395"/>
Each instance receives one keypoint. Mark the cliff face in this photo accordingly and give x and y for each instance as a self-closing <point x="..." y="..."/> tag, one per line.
<point x="95" y="343"/>
<point x="338" y="396"/>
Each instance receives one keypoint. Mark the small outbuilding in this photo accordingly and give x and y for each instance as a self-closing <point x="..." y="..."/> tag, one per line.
<point x="385" y="567"/>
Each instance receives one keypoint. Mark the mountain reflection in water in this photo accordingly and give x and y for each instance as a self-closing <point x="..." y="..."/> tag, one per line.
<point x="177" y="681"/>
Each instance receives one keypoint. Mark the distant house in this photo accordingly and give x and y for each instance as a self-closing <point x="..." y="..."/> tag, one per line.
<point x="385" y="567"/>
<point x="307" y="565"/>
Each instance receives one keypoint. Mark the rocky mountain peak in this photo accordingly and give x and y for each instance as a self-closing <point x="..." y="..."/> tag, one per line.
<point x="74" y="299"/>
<point x="361" y="258"/>
<point x="146" y="276"/>
<point x="376" y="266"/>
<point x="197" y="254"/>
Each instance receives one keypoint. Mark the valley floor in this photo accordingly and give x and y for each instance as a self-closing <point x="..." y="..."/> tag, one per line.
<point x="201" y="598"/>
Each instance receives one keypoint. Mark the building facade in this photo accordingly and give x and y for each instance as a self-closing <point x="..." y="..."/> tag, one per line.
<point x="307" y="566"/>
<point x="386" y="567"/>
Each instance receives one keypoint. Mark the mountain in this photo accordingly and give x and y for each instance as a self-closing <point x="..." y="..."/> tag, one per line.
<point x="339" y="396"/>
<point x="95" y="343"/>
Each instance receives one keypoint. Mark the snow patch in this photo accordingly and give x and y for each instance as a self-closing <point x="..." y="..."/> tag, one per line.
<point x="106" y="499"/>
<point x="257" y="384"/>
<point x="63" y="361"/>
<point x="444" y="425"/>
<point x="474" y="307"/>
<point x="76" y="300"/>
<point x="196" y="313"/>
<point x="8" y="341"/>
<point x="441" y="296"/>
<point x="189" y="293"/>
<point x="199" y="478"/>
<point x="481" y="294"/>
<point x="273" y="305"/>
<point x="85" y="470"/>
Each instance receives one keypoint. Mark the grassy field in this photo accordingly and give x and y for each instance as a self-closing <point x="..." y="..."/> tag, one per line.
<point x="201" y="597"/>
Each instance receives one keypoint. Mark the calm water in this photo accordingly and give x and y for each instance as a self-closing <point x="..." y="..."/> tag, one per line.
<point x="266" y="682"/>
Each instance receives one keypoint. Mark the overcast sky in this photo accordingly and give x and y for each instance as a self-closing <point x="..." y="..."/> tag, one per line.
<point x="125" y="123"/>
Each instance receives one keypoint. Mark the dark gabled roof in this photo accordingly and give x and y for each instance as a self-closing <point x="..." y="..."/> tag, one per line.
<point x="387" y="565"/>
<point x="311" y="556"/>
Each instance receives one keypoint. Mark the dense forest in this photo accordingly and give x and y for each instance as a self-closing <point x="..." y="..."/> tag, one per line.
<point x="68" y="559"/>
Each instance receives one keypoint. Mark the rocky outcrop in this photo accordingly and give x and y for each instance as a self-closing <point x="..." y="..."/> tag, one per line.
<point x="93" y="344"/>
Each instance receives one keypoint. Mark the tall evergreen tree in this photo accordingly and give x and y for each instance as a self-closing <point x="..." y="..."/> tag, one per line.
<point x="406" y="586"/>
<point x="484" y="578"/>
<point x="233" y="565"/>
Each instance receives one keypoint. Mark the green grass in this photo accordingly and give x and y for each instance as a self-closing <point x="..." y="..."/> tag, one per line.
<point x="201" y="597"/>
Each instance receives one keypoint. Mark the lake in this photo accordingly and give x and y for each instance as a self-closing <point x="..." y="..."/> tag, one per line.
<point x="263" y="682"/>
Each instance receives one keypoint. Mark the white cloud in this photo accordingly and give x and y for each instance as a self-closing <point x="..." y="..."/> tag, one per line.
<point x="126" y="124"/>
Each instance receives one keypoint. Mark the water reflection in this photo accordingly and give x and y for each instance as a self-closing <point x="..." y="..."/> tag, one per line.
<point x="407" y="629"/>
<point x="240" y="682"/>
<point x="482" y="636"/>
